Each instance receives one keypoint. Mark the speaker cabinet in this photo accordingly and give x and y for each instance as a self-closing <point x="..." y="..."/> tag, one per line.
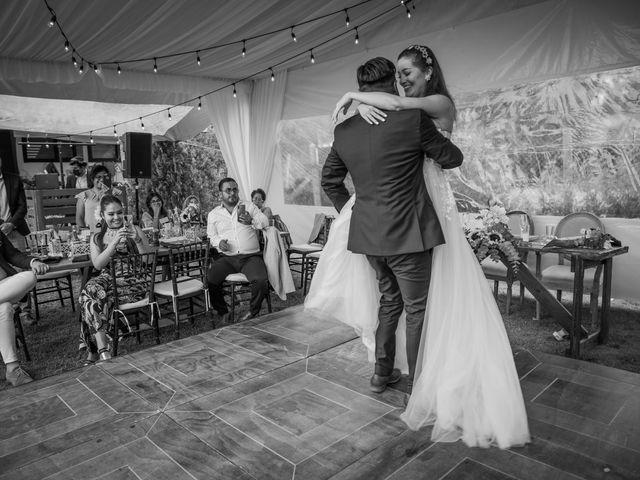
<point x="8" y="152"/>
<point x="137" y="155"/>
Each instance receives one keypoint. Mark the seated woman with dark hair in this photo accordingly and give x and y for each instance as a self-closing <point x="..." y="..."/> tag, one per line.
<point x="156" y="215"/>
<point x="96" y="299"/>
<point x="258" y="197"/>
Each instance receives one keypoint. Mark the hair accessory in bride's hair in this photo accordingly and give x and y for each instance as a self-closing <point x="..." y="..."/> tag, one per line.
<point x="423" y="51"/>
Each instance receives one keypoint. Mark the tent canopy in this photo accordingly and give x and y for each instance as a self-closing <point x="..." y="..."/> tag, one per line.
<point x="480" y="42"/>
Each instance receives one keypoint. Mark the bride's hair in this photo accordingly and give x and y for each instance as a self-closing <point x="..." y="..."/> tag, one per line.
<point x="423" y="58"/>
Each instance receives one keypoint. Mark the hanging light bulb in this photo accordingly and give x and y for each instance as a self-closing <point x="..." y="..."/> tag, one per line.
<point x="46" y="143"/>
<point x="346" y="20"/>
<point x="81" y="69"/>
<point x="273" y="76"/>
<point x="198" y="58"/>
<point x="66" y="45"/>
<point x="155" y="65"/>
<point x="313" y="59"/>
<point x="91" y="136"/>
<point x="169" y="113"/>
<point x="69" y="140"/>
<point x="115" y="133"/>
<point x="244" y="48"/>
<point x="141" y="123"/>
<point x="235" y="94"/>
<point x="28" y="141"/>
<point x="52" y="20"/>
<point x="357" y="37"/>
<point x="293" y="35"/>
<point x="95" y="67"/>
<point x="199" y="103"/>
<point x="119" y="70"/>
<point x="408" y="11"/>
<point x="73" y="59"/>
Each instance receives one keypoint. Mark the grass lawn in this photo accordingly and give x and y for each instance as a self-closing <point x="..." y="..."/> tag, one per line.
<point x="53" y="342"/>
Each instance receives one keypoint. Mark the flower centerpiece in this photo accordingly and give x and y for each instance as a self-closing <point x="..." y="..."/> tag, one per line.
<point x="488" y="234"/>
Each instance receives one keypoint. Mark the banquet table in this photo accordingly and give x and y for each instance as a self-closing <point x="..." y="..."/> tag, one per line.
<point x="581" y="259"/>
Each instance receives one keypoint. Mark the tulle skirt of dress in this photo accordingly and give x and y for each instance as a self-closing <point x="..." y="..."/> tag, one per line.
<point x="466" y="383"/>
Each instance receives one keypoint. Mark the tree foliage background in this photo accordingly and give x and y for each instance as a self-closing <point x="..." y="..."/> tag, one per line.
<point x="549" y="148"/>
<point x="180" y="169"/>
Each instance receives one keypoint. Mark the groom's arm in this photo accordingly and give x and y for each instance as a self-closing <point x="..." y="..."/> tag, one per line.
<point x="437" y="146"/>
<point x="333" y="175"/>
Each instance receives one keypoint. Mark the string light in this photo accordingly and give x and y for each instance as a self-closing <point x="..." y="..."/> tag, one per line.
<point x="115" y="133"/>
<point x="407" y="9"/>
<point x="341" y="11"/>
<point x="244" y="48"/>
<point x="73" y="59"/>
<point x="141" y="123"/>
<point x="119" y="70"/>
<point x="28" y="141"/>
<point x="293" y="36"/>
<point x="52" y="20"/>
<point x="198" y="58"/>
<point x="199" y="103"/>
<point x="155" y="65"/>
<point x="95" y="67"/>
<point x="91" y="136"/>
<point x="46" y="144"/>
<point x="66" y="45"/>
<point x="357" y="37"/>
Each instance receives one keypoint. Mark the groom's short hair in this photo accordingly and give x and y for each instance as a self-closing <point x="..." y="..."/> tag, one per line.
<point x="377" y="75"/>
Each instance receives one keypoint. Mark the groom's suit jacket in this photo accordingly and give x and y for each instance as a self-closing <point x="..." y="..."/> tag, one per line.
<point x="393" y="213"/>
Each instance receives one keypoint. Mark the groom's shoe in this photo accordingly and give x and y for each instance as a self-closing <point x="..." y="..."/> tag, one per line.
<point x="378" y="383"/>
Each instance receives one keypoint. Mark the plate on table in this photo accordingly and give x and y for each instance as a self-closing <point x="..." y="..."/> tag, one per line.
<point x="173" y="241"/>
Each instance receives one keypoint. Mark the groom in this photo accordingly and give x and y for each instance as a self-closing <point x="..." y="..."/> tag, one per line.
<point x="393" y="222"/>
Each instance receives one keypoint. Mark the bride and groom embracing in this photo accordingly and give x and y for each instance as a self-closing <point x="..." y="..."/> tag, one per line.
<point x="398" y="268"/>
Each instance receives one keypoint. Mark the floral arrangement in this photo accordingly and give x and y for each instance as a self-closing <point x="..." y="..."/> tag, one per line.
<point x="488" y="234"/>
<point x="191" y="210"/>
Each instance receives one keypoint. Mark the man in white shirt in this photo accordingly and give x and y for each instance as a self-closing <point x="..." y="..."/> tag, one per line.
<point x="232" y="229"/>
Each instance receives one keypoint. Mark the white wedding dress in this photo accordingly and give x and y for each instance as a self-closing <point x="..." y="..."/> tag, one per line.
<point x="466" y="384"/>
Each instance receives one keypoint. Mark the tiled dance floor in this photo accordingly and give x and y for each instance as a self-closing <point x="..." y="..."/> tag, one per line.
<point x="287" y="397"/>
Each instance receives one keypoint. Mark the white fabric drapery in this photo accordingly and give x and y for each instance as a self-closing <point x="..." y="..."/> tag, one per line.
<point x="245" y="127"/>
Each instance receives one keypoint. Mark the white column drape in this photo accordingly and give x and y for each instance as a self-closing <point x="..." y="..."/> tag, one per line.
<point x="246" y="129"/>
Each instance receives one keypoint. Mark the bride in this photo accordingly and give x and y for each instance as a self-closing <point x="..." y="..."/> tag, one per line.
<point x="466" y="384"/>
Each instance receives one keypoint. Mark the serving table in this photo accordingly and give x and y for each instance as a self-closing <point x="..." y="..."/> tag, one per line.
<point x="581" y="259"/>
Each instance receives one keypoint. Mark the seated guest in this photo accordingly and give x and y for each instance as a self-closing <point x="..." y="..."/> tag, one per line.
<point x="89" y="201"/>
<point x="156" y="215"/>
<point x="258" y="197"/>
<point x="13" y="286"/>
<point x="78" y="177"/>
<point x="96" y="298"/>
<point x="232" y="229"/>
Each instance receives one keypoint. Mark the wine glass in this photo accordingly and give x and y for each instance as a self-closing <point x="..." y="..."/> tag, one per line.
<point x="524" y="227"/>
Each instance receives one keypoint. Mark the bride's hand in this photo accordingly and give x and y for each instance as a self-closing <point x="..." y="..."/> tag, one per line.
<point x="371" y="115"/>
<point x="343" y="105"/>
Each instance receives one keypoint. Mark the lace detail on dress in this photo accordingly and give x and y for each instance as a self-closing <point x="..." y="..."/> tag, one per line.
<point x="442" y="182"/>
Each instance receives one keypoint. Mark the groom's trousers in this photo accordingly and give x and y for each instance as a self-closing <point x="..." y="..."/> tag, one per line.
<point x="403" y="281"/>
